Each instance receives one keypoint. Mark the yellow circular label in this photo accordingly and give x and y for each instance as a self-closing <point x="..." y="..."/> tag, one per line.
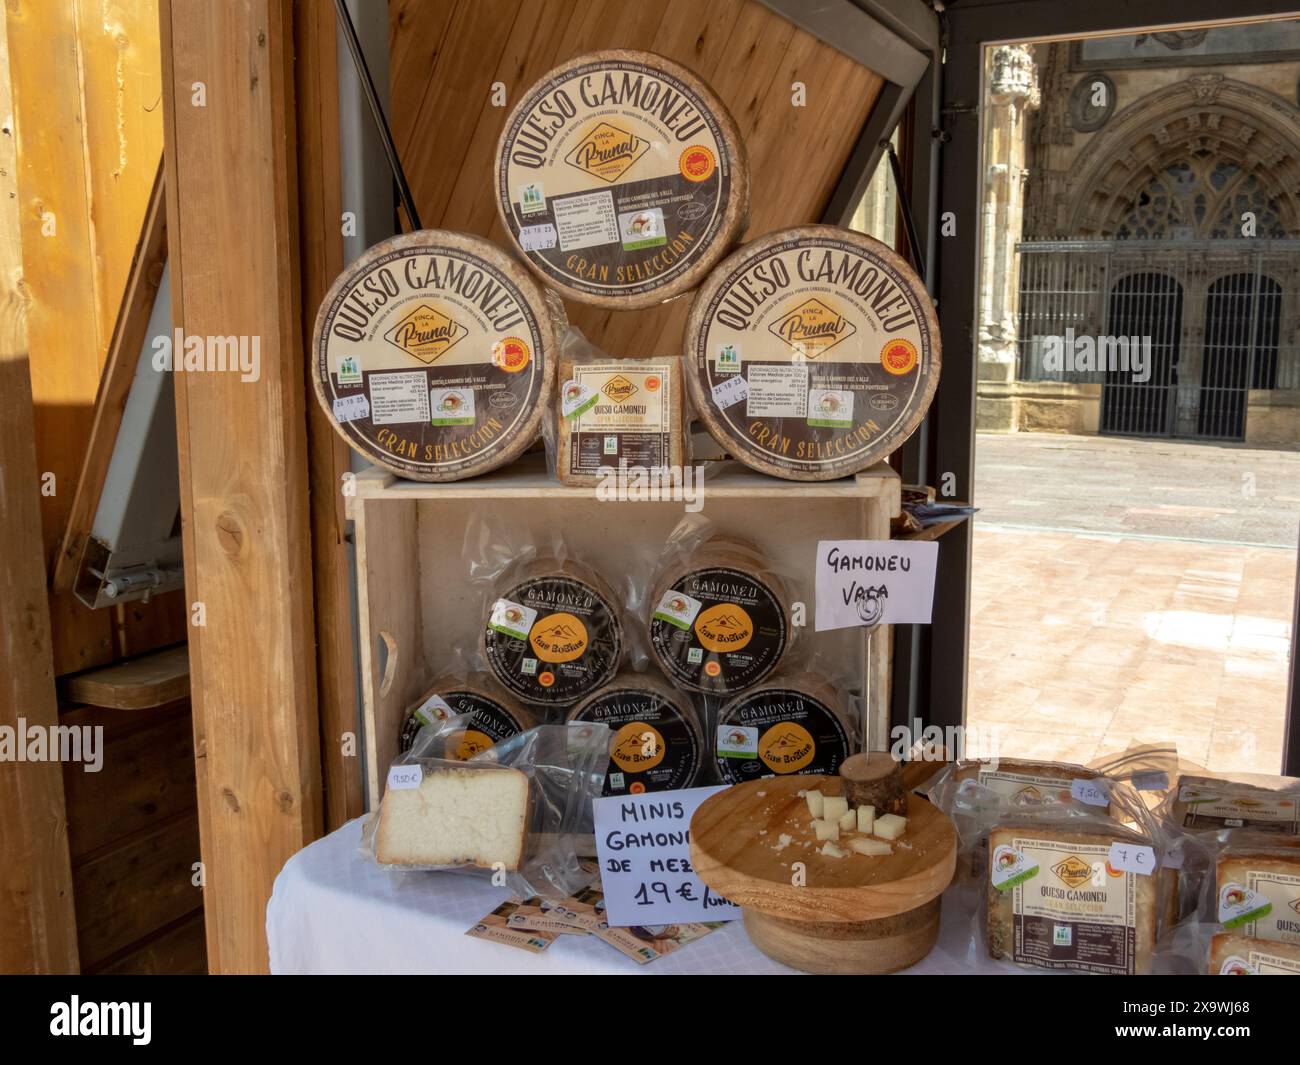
<point x="725" y="627"/>
<point x="697" y="163"/>
<point x="467" y="744"/>
<point x="558" y="638"/>
<point x="637" y="747"/>
<point x="898" y="356"/>
<point x="786" y="747"/>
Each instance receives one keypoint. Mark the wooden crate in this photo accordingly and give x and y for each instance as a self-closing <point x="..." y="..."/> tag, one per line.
<point x="416" y="604"/>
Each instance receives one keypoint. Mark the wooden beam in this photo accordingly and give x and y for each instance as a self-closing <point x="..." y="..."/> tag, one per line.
<point x="38" y="932"/>
<point x="233" y="251"/>
<point x="115" y="383"/>
<point x="320" y="208"/>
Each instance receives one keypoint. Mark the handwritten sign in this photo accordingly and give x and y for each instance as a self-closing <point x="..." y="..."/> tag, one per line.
<point x="643" y="844"/>
<point x="869" y="582"/>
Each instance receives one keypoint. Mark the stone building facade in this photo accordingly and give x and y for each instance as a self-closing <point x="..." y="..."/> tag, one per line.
<point x="1143" y="191"/>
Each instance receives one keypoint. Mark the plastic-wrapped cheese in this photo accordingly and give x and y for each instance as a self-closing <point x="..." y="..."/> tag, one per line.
<point x="812" y="352"/>
<point x="621" y="179"/>
<point x="1257" y="890"/>
<point x="553" y="634"/>
<point x="434" y="356"/>
<point x="788" y="725"/>
<point x="619" y="414"/>
<point x="1234" y="955"/>
<point x="720" y="618"/>
<point x="657" y="742"/>
<point x="495" y="716"/>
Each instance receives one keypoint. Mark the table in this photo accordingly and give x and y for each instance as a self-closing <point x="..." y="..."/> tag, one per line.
<point x="333" y="910"/>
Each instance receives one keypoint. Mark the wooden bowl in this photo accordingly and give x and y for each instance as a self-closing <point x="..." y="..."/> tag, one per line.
<point x="855" y="914"/>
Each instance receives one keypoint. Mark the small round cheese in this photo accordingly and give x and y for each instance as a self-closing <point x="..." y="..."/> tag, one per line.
<point x="657" y="743"/>
<point x="720" y="619"/>
<point x="789" y="725"/>
<point x="495" y="716"/>
<point x="435" y="356"/>
<point x="553" y="634"/>
<point x="812" y="353"/>
<point x="622" y="179"/>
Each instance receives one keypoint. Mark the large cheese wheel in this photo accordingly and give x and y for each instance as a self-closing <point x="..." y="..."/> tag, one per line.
<point x="812" y="352"/>
<point x="622" y="179"/>
<point x="720" y="618"/>
<point x="553" y="633"/>
<point x="495" y="716"/>
<point x="788" y="725"/>
<point x="657" y="742"/>
<point x="435" y="356"/>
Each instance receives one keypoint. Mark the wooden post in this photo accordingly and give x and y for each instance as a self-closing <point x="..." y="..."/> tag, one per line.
<point x="38" y="929"/>
<point x="320" y="225"/>
<point x="231" y="179"/>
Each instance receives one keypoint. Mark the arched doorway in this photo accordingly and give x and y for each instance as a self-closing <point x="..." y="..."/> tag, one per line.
<point x="1139" y="306"/>
<point x="1241" y="336"/>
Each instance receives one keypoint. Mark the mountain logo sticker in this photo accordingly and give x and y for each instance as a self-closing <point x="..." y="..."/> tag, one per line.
<point x="558" y="638"/>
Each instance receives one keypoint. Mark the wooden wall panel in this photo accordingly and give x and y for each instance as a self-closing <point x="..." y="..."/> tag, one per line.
<point x="231" y="177"/>
<point x="37" y="925"/>
<point x="447" y="55"/>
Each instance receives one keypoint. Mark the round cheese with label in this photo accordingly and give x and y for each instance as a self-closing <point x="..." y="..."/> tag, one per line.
<point x="495" y="716"/>
<point x="622" y="179"/>
<point x="813" y="353"/>
<point x="720" y="619"/>
<point x="657" y="743"/>
<point x="553" y="634"/>
<point x="790" y="725"/>
<point x="435" y="356"/>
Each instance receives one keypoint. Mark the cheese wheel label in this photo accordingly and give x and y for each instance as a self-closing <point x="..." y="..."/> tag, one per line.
<point x="621" y="416"/>
<point x="655" y="746"/>
<point x="1238" y="806"/>
<point x="566" y="640"/>
<point x="615" y="176"/>
<point x="779" y="731"/>
<point x="491" y="722"/>
<point x="813" y="353"/>
<point x="431" y="357"/>
<point x="718" y="630"/>
<point x="1070" y="909"/>
<point x="1265" y="905"/>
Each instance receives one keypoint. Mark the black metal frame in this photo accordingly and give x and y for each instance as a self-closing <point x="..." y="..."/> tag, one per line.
<point x="970" y="25"/>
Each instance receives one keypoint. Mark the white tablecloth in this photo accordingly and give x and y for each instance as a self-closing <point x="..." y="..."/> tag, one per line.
<point x="334" y="911"/>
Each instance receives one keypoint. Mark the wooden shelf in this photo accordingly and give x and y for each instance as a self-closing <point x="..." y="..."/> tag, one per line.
<point x="134" y="683"/>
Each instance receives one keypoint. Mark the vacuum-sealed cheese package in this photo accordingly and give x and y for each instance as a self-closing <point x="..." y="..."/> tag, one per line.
<point x="514" y="812"/>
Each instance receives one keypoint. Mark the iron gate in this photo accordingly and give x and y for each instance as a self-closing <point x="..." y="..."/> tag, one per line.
<point x="1210" y="321"/>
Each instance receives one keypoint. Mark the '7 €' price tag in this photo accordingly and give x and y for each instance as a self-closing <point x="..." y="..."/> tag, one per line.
<point x="1132" y="858"/>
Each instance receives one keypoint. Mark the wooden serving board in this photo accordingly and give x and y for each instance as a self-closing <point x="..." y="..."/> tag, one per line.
<point x="856" y="914"/>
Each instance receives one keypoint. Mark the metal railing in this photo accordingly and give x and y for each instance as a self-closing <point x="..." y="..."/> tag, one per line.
<point x="1211" y="320"/>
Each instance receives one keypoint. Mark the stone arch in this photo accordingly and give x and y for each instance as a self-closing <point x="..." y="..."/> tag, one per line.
<point x="1206" y="126"/>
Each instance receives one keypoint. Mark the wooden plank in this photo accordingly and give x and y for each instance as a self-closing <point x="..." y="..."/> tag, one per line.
<point x="129" y="891"/>
<point x="115" y="383"/>
<point x="62" y="325"/>
<point x="242" y="456"/>
<point x="177" y="950"/>
<point x="320" y="208"/>
<point x="140" y="627"/>
<point x="38" y="929"/>
<point x="147" y="775"/>
<point x="133" y="684"/>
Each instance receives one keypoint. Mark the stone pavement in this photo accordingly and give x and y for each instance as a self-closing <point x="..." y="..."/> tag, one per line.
<point x="1083" y="642"/>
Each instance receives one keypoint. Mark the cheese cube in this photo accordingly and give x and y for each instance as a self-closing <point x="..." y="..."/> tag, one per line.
<point x="833" y="807"/>
<point x="831" y="851"/>
<point x="814" y="800"/>
<point x="826" y="830"/>
<point x="866" y="818"/>
<point x="890" y="826"/>
<point x="848" y="821"/>
<point x="871" y="847"/>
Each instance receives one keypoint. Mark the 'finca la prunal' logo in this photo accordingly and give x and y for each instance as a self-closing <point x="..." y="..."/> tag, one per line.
<point x="812" y="328"/>
<point x="607" y="152"/>
<point x="426" y="334"/>
<point x="619" y="389"/>
<point x="1072" y="871"/>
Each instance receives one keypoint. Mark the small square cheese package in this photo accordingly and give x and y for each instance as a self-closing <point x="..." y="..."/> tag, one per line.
<point x="517" y="808"/>
<point x="1084" y="894"/>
